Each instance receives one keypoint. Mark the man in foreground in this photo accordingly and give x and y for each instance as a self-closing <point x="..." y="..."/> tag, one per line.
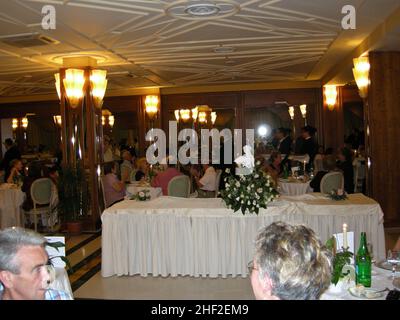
<point x="23" y="267"/>
<point x="289" y="264"/>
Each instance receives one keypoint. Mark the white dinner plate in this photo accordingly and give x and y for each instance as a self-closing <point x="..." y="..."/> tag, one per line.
<point x="365" y="293"/>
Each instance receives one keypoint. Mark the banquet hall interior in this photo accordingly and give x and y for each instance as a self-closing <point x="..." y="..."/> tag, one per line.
<point x="85" y="83"/>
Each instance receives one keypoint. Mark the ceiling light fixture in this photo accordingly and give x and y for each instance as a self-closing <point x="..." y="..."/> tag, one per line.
<point x="195" y="10"/>
<point x="202" y="9"/>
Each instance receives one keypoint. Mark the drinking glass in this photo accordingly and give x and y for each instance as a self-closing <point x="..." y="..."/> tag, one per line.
<point x="371" y="252"/>
<point x="393" y="257"/>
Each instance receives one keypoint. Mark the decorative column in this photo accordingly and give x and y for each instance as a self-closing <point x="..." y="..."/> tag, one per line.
<point x="81" y="87"/>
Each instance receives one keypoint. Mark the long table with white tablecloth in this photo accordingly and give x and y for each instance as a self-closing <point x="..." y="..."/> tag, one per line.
<point x="171" y="236"/>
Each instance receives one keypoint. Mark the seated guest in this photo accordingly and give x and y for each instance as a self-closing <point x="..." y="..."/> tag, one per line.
<point x="17" y="173"/>
<point x="126" y="166"/>
<point x="34" y="173"/>
<point x="164" y="177"/>
<point x="346" y="165"/>
<point x="329" y="163"/>
<point x="274" y="168"/>
<point x="207" y="183"/>
<point x="290" y="263"/>
<point x="142" y="169"/>
<point x="114" y="189"/>
<point x="23" y="267"/>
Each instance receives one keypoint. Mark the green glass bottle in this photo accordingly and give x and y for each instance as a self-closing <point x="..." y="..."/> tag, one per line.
<point x="363" y="263"/>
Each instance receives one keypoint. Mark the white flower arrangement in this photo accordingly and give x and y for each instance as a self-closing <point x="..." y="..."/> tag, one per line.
<point x="142" y="195"/>
<point x="248" y="193"/>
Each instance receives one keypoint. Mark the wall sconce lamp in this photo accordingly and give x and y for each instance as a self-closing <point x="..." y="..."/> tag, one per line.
<point x="303" y="110"/>
<point x="14" y="123"/>
<point x="213" y="117"/>
<point x="330" y="96"/>
<point x="107" y="118"/>
<point x="185" y="114"/>
<point x="111" y="121"/>
<point x="195" y="113"/>
<point x="74" y="82"/>
<point x="199" y="113"/>
<point x="21" y="123"/>
<point x="57" y="120"/>
<point x="176" y="115"/>
<point x="361" y="75"/>
<point x="202" y="117"/>
<point x="291" y="112"/>
<point x="151" y="103"/>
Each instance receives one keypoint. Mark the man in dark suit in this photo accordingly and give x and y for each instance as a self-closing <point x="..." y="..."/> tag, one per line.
<point x="11" y="154"/>
<point x="309" y="145"/>
<point x="284" y="145"/>
<point x="285" y="142"/>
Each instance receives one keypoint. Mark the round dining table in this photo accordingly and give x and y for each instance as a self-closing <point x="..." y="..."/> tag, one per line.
<point x="294" y="187"/>
<point x="11" y="199"/>
<point x="135" y="187"/>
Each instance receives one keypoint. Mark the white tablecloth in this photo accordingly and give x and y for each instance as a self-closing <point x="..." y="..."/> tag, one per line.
<point x="201" y="237"/>
<point x="294" y="188"/>
<point x="380" y="281"/>
<point x="132" y="189"/>
<point x="61" y="281"/>
<point x="11" y="200"/>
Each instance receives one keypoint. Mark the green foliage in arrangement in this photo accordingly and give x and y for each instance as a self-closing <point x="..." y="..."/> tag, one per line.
<point x="249" y="193"/>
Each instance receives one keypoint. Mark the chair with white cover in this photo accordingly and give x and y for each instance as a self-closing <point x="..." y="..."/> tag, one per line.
<point x="179" y="186"/>
<point x="332" y="181"/>
<point x="41" y="195"/>
<point x="217" y="181"/>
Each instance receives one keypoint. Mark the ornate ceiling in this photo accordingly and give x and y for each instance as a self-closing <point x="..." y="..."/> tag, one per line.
<point x="158" y="43"/>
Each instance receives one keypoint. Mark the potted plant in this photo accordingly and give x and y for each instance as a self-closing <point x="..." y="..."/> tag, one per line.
<point x="74" y="197"/>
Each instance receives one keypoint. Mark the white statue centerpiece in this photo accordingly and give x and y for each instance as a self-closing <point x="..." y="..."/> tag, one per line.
<point x="250" y="188"/>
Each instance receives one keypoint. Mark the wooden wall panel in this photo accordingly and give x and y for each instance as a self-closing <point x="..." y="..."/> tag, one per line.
<point x="333" y="123"/>
<point x="384" y="123"/>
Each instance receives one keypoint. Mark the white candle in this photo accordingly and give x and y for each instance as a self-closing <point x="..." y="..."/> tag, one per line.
<point x="304" y="166"/>
<point x="344" y="236"/>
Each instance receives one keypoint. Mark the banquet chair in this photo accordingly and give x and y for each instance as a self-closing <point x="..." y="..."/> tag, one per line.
<point x="41" y="195"/>
<point x="331" y="181"/>
<point x="217" y="181"/>
<point x="179" y="186"/>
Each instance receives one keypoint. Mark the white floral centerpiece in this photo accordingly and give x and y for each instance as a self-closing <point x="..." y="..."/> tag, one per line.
<point x="142" y="195"/>
<point x="251" y="188"/>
